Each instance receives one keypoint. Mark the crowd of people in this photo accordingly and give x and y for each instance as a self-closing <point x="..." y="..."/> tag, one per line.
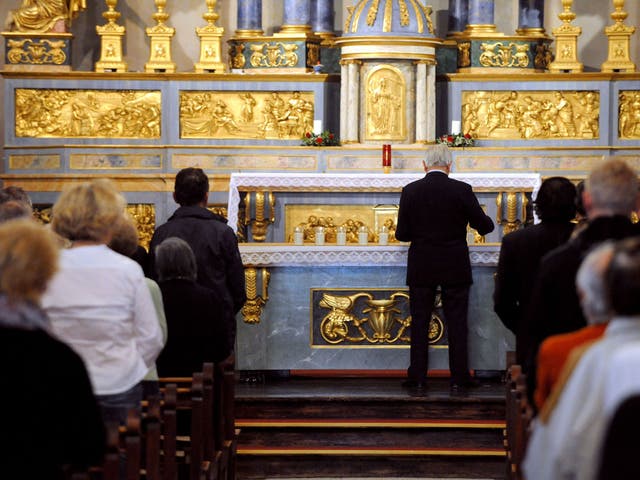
<point x="85" y="331"/>
<point x="569" y="289"/>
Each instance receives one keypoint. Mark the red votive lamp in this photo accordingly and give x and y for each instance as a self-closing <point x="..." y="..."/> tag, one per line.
<point x="386" y="158"/>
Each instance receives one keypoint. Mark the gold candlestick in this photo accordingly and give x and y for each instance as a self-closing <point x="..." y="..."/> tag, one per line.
<point x="210" y="42"/>
<point x="161" y="34"/>
<point x="111" y="41"/>
<point x="566" y="42"/>
<point x="619" y="36"/>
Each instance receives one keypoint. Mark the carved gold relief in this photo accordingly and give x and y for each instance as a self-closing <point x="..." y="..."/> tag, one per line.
<point x="504" y="55"/>
<point x="260" y="223"/>
<point x="629" y="114"/>
<point x="144" y="216"/>
<point x="28" y="51"/>
<point x="252" y="309"/>
<point x="265" y="115"/>
<point x="44" y="16"/>
<point x="464" y="54"/>
<point x="385" y="104"/>
<point x="531" y="115"/>
<point x="513" y="217"/>
<point x="371" y="321"/>
<point x="351" y="217"/>
<point x="274" y="55"/>
<point x="45" y="113"/>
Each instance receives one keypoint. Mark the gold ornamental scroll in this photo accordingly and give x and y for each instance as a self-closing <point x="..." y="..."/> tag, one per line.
<point x="516" y="115"/>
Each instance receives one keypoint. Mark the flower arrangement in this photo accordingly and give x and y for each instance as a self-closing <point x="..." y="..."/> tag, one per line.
<point x="456" y="140"/>
<point x="324" y="139"/>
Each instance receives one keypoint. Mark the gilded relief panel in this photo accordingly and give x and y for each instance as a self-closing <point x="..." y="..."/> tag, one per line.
<point x="250" y="115"/>
<point x="353" y="218"/>
<point x="512" y="115"/>
<point x="629" y="114"/>
<point x="53" y="113"/>
<point x="385" y="104"/>
<point x="367" y="318"/>
<point x="144" y="215"/>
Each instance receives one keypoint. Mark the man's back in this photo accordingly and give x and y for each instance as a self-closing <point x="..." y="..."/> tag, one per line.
<point x="215" y="247"/>
<point x="433" y="216"/>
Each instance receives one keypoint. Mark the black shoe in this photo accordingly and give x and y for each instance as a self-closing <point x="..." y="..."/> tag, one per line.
<point x="464" y="385"/>
<point x="414" y="384"/>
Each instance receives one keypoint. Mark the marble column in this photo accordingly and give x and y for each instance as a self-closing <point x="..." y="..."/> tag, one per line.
<point x="297" y="14"/>
<point x="530" y="17"/>
<point x="421" y="102"/>
<point x="322" y="16"/>
<point x="458" y="15"/>
<point x="431" y="103"/>
<point x="344" y="100"/>
<point x="250" y="16"/>
<point x="353" y="105"/>
<point x="481" y="12"/>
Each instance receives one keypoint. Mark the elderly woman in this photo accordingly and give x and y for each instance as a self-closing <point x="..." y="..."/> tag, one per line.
<point x="99" y="302"/>
<point x="50" y="418"/>
<point x="195" y="314"/>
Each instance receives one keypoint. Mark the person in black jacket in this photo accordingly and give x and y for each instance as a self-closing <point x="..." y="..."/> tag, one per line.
<point x="213" y="242"/>
<point x="433" y="216"/>
<point x="197" y="331"/>
<point x="522" y="250"/>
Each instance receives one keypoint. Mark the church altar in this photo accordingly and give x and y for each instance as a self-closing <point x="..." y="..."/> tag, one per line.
<point x="296" y="290"/>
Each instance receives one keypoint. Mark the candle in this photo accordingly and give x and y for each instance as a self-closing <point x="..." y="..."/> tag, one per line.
<point x="341" y="235"/>
<point x="363" y="235"/>
<point x="319" y="235"/>
<point x="298" y="236"/>
<point x="386" y="158"/>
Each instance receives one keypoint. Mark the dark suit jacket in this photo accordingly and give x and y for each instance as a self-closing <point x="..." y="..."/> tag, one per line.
<point x="433" y="216"/>
<point x="216" y="249"/>
<point x="196" y="328"/>
<point x="520" y="255"/>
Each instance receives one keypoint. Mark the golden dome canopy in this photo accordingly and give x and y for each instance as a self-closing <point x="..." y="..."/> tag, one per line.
<point x="389" y="18"/>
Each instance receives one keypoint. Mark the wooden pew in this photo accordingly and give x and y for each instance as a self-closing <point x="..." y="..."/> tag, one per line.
<point x="518" y="418"/>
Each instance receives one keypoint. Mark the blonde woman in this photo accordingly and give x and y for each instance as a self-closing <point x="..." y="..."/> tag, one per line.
<point x="48" y="412"/>
<point x="99" y="302"/>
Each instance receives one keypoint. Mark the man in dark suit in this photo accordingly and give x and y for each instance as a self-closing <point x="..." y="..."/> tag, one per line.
<point x="213" y="242"/>
<point x="522" y="250"/>
<point x="433" y="216"/>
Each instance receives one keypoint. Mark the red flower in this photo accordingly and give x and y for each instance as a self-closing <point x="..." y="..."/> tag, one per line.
<point x="319" y="140"/>
<point x="466" y="135"/>
<point x="331" y="136"/>
<point x="450" y="138"/>
<point x="308" y="134"/>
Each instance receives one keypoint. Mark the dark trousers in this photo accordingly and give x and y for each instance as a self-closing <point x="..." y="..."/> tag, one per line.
<point x="455" y="303"/>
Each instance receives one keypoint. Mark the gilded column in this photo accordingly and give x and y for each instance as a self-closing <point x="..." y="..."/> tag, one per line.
<point x="421" y="102"/>
<point x="530" y="17"/>
<point x="353" y="104"/>
<point x="344" y="99"/>
<point x="249" y="17"/>
<point x="458" y="16"/>
<point x="322" y="16"/>
<point x="297" y="16"/>
<point x="431" y="103"/>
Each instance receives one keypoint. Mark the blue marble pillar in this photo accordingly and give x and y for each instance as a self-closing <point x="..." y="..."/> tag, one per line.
<point x="250" y="15"/>
<point x="458" y="15"/>
<point x="322" y="16"/>
<point x="531" y="15"/>
<point x="481" y="12"/>
<point x="296" y="12"/>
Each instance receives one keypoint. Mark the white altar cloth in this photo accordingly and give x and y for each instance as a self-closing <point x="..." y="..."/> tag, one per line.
<point x="362" y="182"/>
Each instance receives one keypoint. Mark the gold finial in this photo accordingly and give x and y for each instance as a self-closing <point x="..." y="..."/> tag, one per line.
<point x="111" y="41"/>
<point x="566" y="42"/>
<point x="619" y="36"/>
<point x="210" y="42"/>
<point x="161" y="34"/>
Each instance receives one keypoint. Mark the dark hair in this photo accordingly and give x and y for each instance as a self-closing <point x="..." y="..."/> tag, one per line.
<point x="175" y="260"/>
<point x="13" y="209"/>
<point x="17" y="194"/>
<point x="192" y="185"/>
<point x="623" y="278"/>
<point x="556" y="200"/>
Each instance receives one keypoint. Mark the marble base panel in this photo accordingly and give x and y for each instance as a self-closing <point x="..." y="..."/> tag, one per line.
<point x="282" y="339"/>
